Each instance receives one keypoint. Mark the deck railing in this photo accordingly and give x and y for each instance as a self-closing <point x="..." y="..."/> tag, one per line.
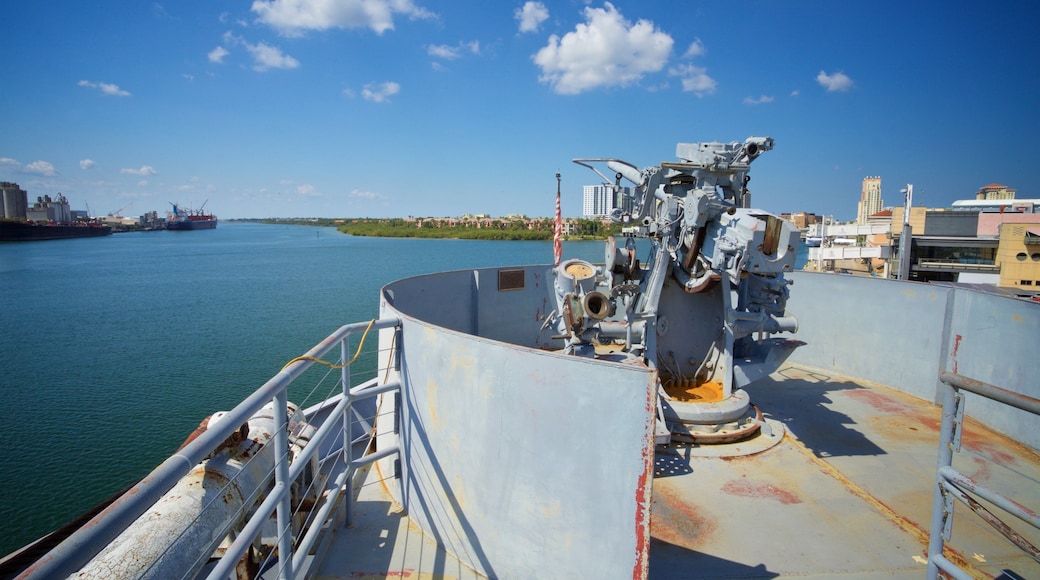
<point x="293" y="550"/>
<point x="951" y="484"/>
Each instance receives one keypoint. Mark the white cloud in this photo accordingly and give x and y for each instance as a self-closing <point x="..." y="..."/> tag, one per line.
<point x="696" y="49"/>
<point x="531" y="15"/>
<point x="835" y="82"/>
<point x="380" y="92"/>
<point x="452" y="52"/>
<point x="357" y="193"/>
<point x="694" y="79"/>
<point x="106" y="88"/>
<point x="604" y="51"/>
<point x="86" y="163"/>
<point x="794" y="93"/>
<point x="307" y="190"/>
<point x="265" y="56"/>
<point x="144" y="170"/>
<point x="8" y="162"/>
<point x="268" y="57"/>
<point x="759" y="101"/>
<point x="217" y="54"/>
<point x="294" y="17"/>
<point x="40" y="168"/>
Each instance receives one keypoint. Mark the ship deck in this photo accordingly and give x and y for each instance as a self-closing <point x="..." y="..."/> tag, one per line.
<point x="847" y="492"/>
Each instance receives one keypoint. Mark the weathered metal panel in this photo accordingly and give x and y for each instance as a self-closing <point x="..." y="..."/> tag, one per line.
<point x="993" y="339"/>
<point x="470" y="301"/>
<point x="526" y="463"/>
<point x="885" y="331"/>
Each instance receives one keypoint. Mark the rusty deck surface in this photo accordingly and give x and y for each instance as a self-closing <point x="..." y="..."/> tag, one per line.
<point x="847" y="492"/>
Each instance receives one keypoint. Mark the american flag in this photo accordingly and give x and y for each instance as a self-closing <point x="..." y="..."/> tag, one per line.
<point x="558" y="230"/>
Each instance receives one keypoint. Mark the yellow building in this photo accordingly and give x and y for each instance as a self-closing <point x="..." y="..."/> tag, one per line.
<point x="1019" y="255"/>
<point x="995" y="191"/>
<point x="917" y="216"/>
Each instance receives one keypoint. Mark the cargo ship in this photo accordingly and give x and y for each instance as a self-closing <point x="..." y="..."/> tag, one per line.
<point x="190" y="219"/>
<point x="635" y="418"/>
<point x="20" y="231"/>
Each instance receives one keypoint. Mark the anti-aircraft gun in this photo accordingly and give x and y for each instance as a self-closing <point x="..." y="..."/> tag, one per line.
<point x="704" y="307"/>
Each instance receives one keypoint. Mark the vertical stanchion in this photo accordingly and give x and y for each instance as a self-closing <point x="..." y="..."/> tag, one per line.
<point x="348" y="451"/>
<point x="281" y="478"/>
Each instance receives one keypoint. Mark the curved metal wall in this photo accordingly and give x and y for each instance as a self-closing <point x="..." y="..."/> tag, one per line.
<point x="902" y="334"/>
<point x="520" y="461"/>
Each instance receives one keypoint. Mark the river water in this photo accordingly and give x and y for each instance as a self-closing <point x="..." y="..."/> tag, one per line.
<point x="113" y="349"/>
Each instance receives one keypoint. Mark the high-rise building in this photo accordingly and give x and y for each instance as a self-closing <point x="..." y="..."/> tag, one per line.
<point x="599" y="200"/>
<point x="869" y="200"/>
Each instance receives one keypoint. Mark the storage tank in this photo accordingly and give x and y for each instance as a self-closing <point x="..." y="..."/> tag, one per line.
<point x="14" y="199"/>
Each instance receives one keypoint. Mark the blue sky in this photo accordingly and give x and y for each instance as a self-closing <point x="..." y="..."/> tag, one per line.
<point x="376" y="108"/>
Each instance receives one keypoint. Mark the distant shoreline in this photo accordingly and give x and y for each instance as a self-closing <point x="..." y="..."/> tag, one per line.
<point x="539" y="229"/>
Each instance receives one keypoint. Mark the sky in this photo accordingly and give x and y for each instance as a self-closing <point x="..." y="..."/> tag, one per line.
<point x="394" y="108"/>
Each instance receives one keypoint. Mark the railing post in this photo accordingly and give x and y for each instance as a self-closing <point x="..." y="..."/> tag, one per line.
<point x="942" y="508"/>
<point x="281" y="477"/>
<point x="348" y="451"/>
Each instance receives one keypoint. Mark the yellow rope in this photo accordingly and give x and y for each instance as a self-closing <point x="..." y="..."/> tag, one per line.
<point x="334" y="365"/>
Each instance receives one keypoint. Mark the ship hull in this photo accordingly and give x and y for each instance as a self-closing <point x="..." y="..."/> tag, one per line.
<point x="21" y="232"/>
<point x="191" y="225"/>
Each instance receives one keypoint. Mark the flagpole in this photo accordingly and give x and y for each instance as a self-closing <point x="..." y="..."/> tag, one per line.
<point x="558" y="229"/>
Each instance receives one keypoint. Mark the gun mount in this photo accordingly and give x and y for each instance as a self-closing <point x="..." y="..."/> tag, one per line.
<point x="704" y="307"/>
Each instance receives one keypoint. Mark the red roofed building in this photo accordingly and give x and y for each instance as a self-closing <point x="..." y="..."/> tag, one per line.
<point x="995" y="191"/>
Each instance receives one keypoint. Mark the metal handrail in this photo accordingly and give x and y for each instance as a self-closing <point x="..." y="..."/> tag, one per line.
<point x="88" y="541"/>
<point x="951" y="484"/>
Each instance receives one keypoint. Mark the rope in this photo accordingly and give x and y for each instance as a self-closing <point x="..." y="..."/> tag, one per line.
<point x="334" y="365"/>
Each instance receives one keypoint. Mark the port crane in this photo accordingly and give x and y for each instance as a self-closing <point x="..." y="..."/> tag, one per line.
<point x="118" y="213"/>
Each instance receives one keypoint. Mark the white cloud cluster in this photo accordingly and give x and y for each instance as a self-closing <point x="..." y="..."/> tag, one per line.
<point x="106" y="88"/>
<point x="838" y="81"/>
<point x="44" y="168"/>
<point x="265" y="56"/>
<point x="694" y="78"/>
<point x="452" y="52"/>
<point x="759" y="101"/>
<point x="307" y="190"/>
<point x="217" y="54"/>
<point x="86" y="163"/>
<point x="144" y="170"/>
<point x="294" y="17"/>
<point x="380" y="92"/>
<point x="604" y="51"/>
<point x="531" y="15"/>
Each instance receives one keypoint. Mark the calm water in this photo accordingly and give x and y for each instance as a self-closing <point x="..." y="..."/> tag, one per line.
<point x="114" y="349"/>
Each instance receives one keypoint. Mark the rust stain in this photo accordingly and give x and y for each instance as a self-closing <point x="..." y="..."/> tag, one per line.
<point x="674" y="521"/>
<point x="956" y="346"/>
<point x="688" y="390"/>
<point x="405" y="573"/>
<point x="759" y="489"/>
<point x="979" y="441"/>
<point x="643" y="523"/>
<point x="878" y="400"/>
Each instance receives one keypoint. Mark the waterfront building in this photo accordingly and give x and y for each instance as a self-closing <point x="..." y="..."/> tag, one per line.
<point x="870" y="199"/>
<point x="598" y="201"/>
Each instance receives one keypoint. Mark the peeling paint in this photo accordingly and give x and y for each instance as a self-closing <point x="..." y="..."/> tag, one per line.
<point x="759" y="489"/>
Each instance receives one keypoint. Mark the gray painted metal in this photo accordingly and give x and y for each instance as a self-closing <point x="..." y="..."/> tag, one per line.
<point x="952" y="484"/>
<point x="902" y="334"/>
<point x="519" y="461"/>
